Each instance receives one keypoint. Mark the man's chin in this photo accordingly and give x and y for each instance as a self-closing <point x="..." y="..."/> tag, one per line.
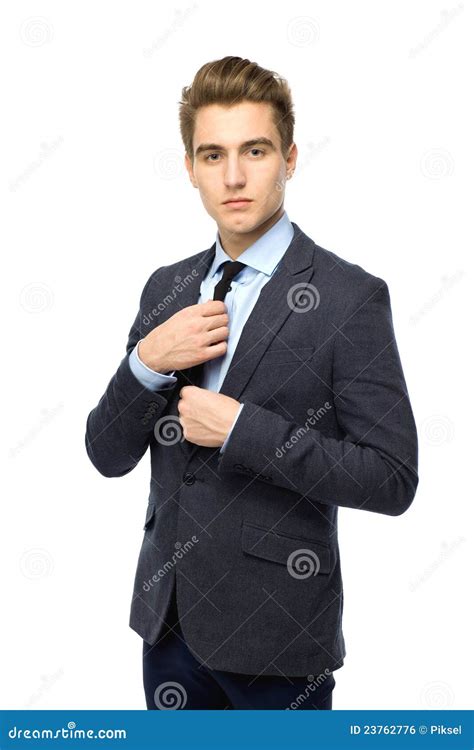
<point x="239" y="225"/>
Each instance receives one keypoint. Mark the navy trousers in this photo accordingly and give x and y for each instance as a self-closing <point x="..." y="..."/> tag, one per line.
<point x="174" y="679"/>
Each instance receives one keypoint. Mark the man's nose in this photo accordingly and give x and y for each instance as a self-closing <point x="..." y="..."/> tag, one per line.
<point x="234" y="174"/>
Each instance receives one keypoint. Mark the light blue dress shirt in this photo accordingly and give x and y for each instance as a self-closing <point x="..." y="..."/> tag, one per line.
<point x="262" y="258"/>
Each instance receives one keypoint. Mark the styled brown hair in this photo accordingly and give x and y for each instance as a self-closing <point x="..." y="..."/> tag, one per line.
<point x="232" y="80"/>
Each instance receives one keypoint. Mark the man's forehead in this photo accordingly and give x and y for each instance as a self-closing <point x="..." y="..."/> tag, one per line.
<point x="230" y="126"/>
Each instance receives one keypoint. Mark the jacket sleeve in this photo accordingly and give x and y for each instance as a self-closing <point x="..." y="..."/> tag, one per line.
<point x="120" y="427"/>
<point x="374" y="466"/>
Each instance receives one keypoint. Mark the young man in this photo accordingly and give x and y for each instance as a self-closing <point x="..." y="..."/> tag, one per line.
<point x="264" y="376"/>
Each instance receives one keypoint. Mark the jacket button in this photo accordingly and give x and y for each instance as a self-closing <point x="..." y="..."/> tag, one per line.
<point x="189" y="478"/>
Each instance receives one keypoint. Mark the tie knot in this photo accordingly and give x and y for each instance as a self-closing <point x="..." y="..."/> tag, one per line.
<point x="229" y="270"/>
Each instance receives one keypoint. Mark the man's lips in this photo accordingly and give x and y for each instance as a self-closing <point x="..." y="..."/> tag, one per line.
<point x="238" y="200"/>
<point x="238" y="204"/>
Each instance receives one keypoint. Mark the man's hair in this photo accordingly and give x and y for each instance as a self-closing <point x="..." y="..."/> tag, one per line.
<point x="232" y="80"/>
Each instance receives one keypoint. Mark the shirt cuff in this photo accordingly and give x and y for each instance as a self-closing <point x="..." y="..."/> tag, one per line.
<point x="154" y="381"/>
<point x="231" y="428"/>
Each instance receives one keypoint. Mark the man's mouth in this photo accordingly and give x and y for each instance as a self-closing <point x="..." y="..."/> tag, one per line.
<point x="237" y="202"/>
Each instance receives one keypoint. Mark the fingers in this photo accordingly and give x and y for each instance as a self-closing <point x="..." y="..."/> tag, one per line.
<point x="217" y="334"/>
<point x="216" y="321"/>
<point x="212" y="307"/>
<point x="216" y="350"/>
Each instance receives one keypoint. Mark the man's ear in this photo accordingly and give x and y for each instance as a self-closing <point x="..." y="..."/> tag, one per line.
<point x="189" y="167"/>
<point x="291" y="159"/>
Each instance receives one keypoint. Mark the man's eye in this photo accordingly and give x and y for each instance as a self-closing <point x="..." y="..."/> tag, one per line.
<point x="208" y="157"/>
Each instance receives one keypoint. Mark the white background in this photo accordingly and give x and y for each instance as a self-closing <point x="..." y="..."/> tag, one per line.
<point x="95" y="197"/>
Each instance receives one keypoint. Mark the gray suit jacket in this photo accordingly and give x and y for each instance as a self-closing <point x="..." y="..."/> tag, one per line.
<point x="249" y="537"/>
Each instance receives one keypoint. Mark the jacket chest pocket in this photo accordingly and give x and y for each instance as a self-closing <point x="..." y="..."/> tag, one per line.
<point x="287" y="355"/>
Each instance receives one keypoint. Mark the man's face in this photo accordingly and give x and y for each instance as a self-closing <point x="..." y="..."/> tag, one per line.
<point x="226" y="167"/>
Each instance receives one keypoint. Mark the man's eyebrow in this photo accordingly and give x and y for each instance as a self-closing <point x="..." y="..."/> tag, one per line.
<point x="246" y="144"/>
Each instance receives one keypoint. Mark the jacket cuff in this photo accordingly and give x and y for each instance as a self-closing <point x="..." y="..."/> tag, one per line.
<point x="149" y="378"/>
<point x="135" y="400"/>
<point x="224" y="444"/>
<point x="242" y="449"/>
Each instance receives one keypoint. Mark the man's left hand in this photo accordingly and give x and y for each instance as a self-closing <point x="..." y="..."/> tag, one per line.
<point x="205" y="416"/>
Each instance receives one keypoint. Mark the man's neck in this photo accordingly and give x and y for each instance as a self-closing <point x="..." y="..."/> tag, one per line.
<point x="234" y="244"/>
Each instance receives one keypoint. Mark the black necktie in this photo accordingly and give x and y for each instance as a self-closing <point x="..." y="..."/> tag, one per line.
<point x="231" y="268"/>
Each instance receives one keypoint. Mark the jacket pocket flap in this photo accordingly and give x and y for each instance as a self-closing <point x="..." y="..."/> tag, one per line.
<point x="303" y="557"/>
<point x="150" y="512"/>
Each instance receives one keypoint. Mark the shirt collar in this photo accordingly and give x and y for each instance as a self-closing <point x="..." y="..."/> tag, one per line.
<point x="265" y="253"/>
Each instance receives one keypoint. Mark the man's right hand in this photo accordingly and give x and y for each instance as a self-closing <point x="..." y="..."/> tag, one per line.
<point x="191" y="336"/>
